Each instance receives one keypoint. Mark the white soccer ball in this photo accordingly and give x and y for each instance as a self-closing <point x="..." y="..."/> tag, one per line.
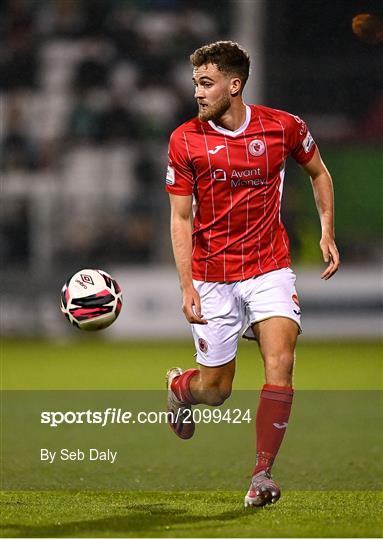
<point x="91" y="299"/>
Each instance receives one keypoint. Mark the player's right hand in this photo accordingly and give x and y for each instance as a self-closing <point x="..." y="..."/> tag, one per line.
<point x="191" y="306"/>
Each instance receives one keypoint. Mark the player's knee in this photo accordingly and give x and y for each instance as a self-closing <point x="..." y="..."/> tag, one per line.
<point x="225" y="393"/>
<point x="217" y="394"/>
<point x="279" y="369"/>
<point x="283" y="361"/>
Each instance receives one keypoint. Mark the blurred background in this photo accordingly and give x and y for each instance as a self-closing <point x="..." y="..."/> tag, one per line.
<point x="90" y="91"/>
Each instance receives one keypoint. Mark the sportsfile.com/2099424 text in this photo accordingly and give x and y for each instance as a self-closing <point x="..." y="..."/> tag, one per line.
<point x="113" y="415"/>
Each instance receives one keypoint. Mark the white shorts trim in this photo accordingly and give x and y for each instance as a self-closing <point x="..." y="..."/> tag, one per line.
<point x="215" y="365"/>
<point x="231" y="309"/>
<point x="249" y="334"/>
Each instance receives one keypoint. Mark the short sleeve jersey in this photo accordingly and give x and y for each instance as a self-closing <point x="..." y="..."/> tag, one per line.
<point x="236" y="179"/>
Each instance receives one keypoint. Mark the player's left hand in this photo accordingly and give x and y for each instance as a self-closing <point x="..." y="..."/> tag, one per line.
<point x="330" y="256"/>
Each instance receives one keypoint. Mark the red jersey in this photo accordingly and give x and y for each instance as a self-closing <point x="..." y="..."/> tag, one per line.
<point x="236" y="178"/>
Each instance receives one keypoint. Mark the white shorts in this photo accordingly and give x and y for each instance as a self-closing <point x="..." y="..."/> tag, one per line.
<point x="232" y="308"/>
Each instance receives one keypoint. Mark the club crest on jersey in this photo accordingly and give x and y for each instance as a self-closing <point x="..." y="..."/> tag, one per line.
<point x="256" y="147"/>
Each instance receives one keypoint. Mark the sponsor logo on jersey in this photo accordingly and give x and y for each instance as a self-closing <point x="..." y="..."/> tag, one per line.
<point x="245" y="173"/>
<point x="254" y="182"/>
<point x="219" y="175"/>
<point x="202" y="344"/>
<point x="170" y="176"/>
<point x="308" y="142"/>
<point x="245" y="178"/>
<point x="256" y="147"/>
<point x="217" y="149"/>
<point x="241" y="177"/>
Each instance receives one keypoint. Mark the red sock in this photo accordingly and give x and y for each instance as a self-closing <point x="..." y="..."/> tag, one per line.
<point x="181" y="386"/>
<point x="271" y="423"/>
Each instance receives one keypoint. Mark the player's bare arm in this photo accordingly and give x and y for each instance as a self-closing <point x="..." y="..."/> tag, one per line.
<point x="181" y="234"/>
<point x="324" y="199"/>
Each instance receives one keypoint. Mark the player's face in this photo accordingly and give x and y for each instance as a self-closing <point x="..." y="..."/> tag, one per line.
<point x="212" y="92"/>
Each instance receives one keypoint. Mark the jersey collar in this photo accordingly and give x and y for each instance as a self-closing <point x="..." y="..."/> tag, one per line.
<point x="238" y="131"/>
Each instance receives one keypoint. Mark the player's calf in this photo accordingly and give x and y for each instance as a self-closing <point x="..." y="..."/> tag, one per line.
<point x="213" y="395"/>
<point x="210" y="386"/>
<point x="213" y="385"/>
<point x="180" y="399"/>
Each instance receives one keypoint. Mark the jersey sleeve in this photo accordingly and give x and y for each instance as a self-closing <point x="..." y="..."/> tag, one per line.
<point x="302" y="145"/>
<point x="179" y="175"/>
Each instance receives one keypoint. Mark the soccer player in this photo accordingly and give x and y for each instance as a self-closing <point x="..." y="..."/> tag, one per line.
<point x="226" y="169"/>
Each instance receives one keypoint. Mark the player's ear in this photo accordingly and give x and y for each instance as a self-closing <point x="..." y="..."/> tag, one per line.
<point x="235" y="86"/>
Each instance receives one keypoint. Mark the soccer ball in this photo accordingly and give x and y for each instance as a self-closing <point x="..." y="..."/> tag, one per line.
<point x="91" y="299"/>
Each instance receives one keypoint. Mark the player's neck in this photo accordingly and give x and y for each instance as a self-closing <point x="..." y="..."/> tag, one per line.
<point x="234" y="117"/>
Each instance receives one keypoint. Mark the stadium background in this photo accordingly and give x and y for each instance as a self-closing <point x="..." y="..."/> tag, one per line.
<point x="90" y="91"/>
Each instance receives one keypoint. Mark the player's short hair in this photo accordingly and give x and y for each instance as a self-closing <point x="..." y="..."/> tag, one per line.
<point x="228" y="56"/>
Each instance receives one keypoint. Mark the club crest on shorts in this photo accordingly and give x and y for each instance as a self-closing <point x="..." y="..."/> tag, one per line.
<point x="256" y="147"/>
<point x="202" y="344"/>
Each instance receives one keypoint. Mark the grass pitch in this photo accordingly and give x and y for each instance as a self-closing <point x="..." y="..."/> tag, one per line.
<point x="98" y="364"/>
<point x="217" y="512"/>
<point x="190" y="514"/>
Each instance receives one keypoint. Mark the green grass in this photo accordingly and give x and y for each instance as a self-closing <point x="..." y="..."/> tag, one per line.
<point x="98" y="364"/>
<point x="333" y="446"/>
<point x="190" y="514"/>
